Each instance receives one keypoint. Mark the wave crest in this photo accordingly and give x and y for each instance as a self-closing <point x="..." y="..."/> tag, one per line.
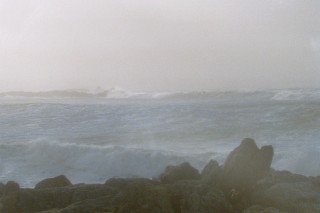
<point x="296" y="94"/>
<point x="118" y="93"/>
<point x="32" y="161"/>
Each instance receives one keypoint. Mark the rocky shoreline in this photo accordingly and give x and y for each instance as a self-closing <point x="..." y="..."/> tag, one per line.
<point x="245" y="183"/>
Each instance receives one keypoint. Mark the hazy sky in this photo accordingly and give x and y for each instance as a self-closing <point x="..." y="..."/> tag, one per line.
<point x="162" y="45"/>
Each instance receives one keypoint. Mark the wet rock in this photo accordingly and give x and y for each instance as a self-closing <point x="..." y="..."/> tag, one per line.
<point x="315" y="180"/>
<point x="245" y="183"/>
<point x="10" y="198"/>
<point x="193" y="196"/>
<point x="287" y="177"/>
<point x="183" y="171"/>
<point x="141" y="195"/>
<point x="1" y="189"/>
<point x="247" y="164"/>
<point x="261" y="209"/>
<point x="58" y="181"/>
<point x="98" y="205"/>
<point x="279" y="177"/>
<point x="211" y="173"/>
<point x="121" y="183"/>
<point x="83" y="192"/>
<point x="293" y="197"/>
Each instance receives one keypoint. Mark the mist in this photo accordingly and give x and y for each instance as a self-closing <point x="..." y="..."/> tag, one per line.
<point x="159" y="45"/>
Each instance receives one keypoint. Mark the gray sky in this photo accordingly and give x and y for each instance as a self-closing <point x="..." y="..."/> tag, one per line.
<point x="165" y="45"/>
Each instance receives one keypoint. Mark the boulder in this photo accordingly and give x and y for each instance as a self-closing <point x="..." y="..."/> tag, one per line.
<point x="183" y="171"/>
<point x="11" y="187"/>
<point x="58" y="181"/>
<point x="1" y="189"/>
<point x="211" y="173"/>
<point x="245" y="183"/>
<point x="247" y="164"/>
<point x="10" y="198"/>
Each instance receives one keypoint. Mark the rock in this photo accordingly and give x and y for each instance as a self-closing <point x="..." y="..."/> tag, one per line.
<point x="31" y="200"/>
<point x="11" y="187"/>
<point x="91" y="191"/>
<point x="133" y="195"/>
<point x="244" y="184"/>
<point x="315" y="180"/>
<point x="58" y="181"/>
<point x="10" y="198"/>
<point x="192" y="196"/>
<point x="98" y="205"/>
<point x="183" y="171"/>
<point x="211" y="173"/>
<point x="59" y="198"/>
<point x="83" y="198"/>
<point x="261" y="209"/>
<point x="1" y="189"/>
<point x="142" y="195"/>
<point x="279" y="177"/>
<point x="247" y="164"/>
<point x="121" y="183"/>
<point x="293" y="197"/>
<point x="287" y="177"/>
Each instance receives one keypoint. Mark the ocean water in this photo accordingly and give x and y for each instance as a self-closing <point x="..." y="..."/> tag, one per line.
<point x="90" y="137"/>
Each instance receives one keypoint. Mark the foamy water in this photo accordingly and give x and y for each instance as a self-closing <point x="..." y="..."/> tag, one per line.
<point x="91" y="137"/>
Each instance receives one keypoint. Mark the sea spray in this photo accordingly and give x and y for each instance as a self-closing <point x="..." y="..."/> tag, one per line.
<point x="90" y="139"/>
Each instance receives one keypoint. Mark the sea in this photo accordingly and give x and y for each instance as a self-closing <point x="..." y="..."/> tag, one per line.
<point x="93" y="136"/>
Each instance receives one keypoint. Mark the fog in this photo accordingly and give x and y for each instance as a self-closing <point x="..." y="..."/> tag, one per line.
<point x="167" y="45"/>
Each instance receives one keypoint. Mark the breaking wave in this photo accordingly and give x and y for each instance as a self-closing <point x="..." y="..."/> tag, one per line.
<point x="91" y="136"/>
<point x="118" y="93"/>
<point x="296" y="94"/>
<point x="31" y="162"/>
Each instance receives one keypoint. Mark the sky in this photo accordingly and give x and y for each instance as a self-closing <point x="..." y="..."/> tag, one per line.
<point x="167" y="45"/>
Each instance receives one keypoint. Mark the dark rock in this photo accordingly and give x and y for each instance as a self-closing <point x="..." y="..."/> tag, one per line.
<point x="98" y="205"/>
<point x="287" y="177"/>
<point x="315" y="180"/>
<point x="141" y="195"/>
<point x="10" y="198"/>
<point x="211" y="173"/>
<point x="121" y="183"/>
<point x="261" y="209"/>
<point x="183" y="171"/>
<point x="192" y="196"/>
<point x="91" y="191"/>
<point x="31" y="200"/>
<point x="1" y="189"/>
<point x="279" y="177"/>
<point x="58" y="181"/>
<point x="210" y="168"/>
<point x="294" y="197"/>
<point x="244" y="184"/>
<point x="247" y="164"/>
<point x="11" y="187"/>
